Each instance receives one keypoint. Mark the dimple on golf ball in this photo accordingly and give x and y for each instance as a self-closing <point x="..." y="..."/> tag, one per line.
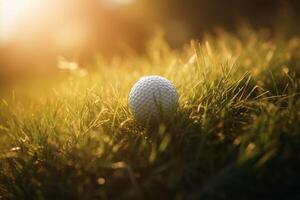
<point x="153" y="98"/>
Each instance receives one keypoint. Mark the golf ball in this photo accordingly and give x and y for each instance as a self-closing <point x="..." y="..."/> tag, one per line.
<point x="153" y="98"/>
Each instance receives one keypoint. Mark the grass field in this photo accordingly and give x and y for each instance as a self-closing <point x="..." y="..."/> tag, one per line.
<point x="236" y="134"/>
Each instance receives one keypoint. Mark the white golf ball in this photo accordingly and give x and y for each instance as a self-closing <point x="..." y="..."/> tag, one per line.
<point x="153" y="98"/>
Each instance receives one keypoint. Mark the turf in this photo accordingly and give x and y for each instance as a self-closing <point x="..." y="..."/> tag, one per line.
<point x="236" y="134"/>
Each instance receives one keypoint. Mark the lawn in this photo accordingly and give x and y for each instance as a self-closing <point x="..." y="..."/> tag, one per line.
<point x="236" y="134"/>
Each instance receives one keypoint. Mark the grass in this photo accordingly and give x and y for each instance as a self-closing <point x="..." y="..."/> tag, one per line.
<point x="236" y="134"/>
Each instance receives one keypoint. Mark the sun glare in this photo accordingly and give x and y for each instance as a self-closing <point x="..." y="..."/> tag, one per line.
<point x="14" y="12"/>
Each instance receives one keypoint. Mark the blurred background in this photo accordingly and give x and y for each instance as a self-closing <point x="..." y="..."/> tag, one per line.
<point x="36" y="34"/>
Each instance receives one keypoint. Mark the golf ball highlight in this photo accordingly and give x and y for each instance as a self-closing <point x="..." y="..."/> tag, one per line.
<point x="153" y="98"/>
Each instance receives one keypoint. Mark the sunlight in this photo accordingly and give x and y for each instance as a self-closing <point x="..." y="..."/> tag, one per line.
<point x="14" y="12"/>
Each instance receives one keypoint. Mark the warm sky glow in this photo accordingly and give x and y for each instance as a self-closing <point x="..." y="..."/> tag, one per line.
<point x="35" y="32"/>
<point x="24" y="20"/>
<point x="14" y="12"/>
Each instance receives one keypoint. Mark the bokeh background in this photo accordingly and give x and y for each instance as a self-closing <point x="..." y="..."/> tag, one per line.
<point x="35" y="34"/>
